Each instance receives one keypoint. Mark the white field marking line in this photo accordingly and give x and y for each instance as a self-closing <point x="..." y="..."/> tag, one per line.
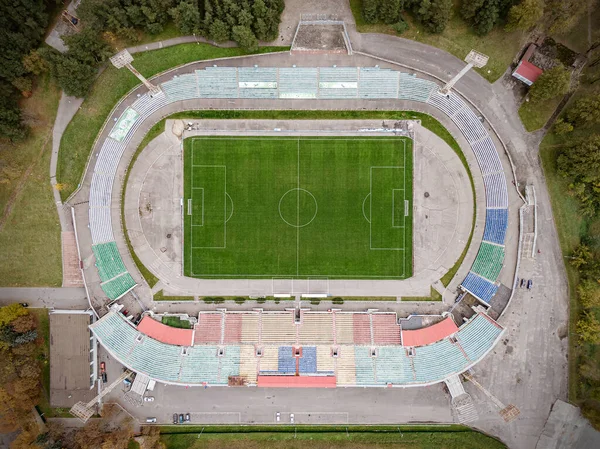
<point x="293" y="139"/>
<point x="291" y="224"/>
<point x="189" y="206"/>
<point x="363" y="207"/>
<point x="224" y="167"/>
<point x="404" y="218"/>
<point x="231" y="201"/>
<point x="192" y="195"/>
<point x="371" y="207"/>
<point x="394" y="208"/>
<point x="298" y="213"/>
<point x="343" y="277"/>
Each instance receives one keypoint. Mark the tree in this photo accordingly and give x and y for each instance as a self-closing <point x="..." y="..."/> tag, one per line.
<point x="35" y="63"/>
<point x="11" y="124"/>
<point x="551" y="83"/>
<point x="389" y="10"/>
<point x="585" y="112"/>
<point x="588" y="328"/>
<point x="589" y="293"/>
<point x="433" y="14"/>
<point x="219" y="31"/>
<point x="525" y="15"/>
<point x="245" y="38"/>
<point x="486" y="17"/>
<point x="10" y="313"/>
<point x="187" y="17"/>
<point x="561" y="127"/>
<point x="370" y="13"/>
<point x="561" y="15"/>
<point x="582" y="255"/>
<point x="581" y="164"/>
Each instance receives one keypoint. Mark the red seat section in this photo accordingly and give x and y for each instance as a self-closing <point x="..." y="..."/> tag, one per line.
<point x="297" y="381"/>
<point x="385" y="329"/>
<point x="362" y="329"/>
<point x="428" y="335"/>
<point x="233" y="328"/>
<point x="165" y="334"/>
<point x="208" y="329"/>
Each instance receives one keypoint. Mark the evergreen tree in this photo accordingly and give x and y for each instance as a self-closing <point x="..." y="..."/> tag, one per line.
<point x="245" y="38"/>
<point x="525" y="15"/>
<point x="585" y="111"/>
<point x="187" y="17"/>
<point x="389" y="10"/>
<point x="370" y="10"/>
<point x="433" y="14"/>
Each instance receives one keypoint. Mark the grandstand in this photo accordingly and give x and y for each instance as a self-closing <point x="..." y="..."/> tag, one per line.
<point x="307" y="83"/>
<point x="310" y="356"/>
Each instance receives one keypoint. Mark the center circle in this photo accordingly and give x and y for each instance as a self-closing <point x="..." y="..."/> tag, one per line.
<point x="298" y="207"/>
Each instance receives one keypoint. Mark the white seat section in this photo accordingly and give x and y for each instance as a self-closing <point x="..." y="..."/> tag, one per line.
<point x="181" y="87"/>
<point x="377" y="83"/>
<point x="338" y="82"/>
<point x="496" y="193"/>
<point x="257" y="82"/>
<point x="450" y="104"/>
<point x="146" y="104"/>
<point x="470" y="125"/>
<point x="109" y="157"/>
<point x="100" y="225"/>
<point x="218" y="82"/>
<point x="298" y="82"/>
<point x="413" y="88"/>
<point x="101" y="190"/>
<point x="487" y="156"/>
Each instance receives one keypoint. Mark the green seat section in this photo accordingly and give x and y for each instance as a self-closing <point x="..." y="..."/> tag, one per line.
<point x="117" y="287"/>
<point x="108" y="261"/>
<point x="489" y="260"/>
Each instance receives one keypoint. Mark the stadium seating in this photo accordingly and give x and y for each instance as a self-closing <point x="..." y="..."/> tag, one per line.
<point x="496" y="193"/>
<point x="109" y="156"/>
<point x="315" y="328"/>
<point x="365" y="366"/>
<point x="489" y="260"/>
<point x="496" y="224"/>
<point x="108" y="260"/>
<point x="437" y="361"/>
<point x="118" y="286"/>
<point x="147" y="104"/>
<point x="450" y="104"/>
<point x="286" y="360"/>
<point x="278" y="328"/>
<point x="101" y="190"/>
<point x="478" y="336"/>
<point x="181" y="87"/>
<point x="415" y="89"/>
<point x="257" y="82"/>
<point x="486" y="155"/>
<point x="298" y="82"/>
<point x="393" y="366"/>
<point x="218" y="82"/>
<point x="480" y="287"/>
<point x="469" y="125"/>
<point x="362" y="329"/>
<point x="307" y="364"/>
<point x="100" y="225"/>
<point x="338" y="82"/>
<point x="386" y="330"/>
<point x="378" y="83"/>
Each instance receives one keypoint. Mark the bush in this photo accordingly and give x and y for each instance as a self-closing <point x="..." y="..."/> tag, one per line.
<point x="561" y="127"/>
<point x="400" y="27"/>
<point x="588" y="328"/>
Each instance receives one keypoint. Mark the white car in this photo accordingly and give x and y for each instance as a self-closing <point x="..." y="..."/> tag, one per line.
<point x="277" y="416"/>
<point x="292" y="418"/>
<point x="148" y="398"/>
<point x="150" y="420"/>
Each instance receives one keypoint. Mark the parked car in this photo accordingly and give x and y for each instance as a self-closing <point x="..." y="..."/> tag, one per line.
<point x="277" y="417"/>
<point x="24" y="304"/>
<point x="292" y="418"/>
<point x="150" y="420"/>
<point x="523" y="283"/>
<point x="181" y="419"/>
<point x="529" y="284"/>
<point x="148" y="398"/>
<point x="187" y="417"/>
<point x="104" y="377"/>
<point x="175" y="418"/>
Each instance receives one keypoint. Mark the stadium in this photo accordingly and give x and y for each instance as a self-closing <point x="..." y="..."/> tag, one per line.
<point x="283" y="214"/>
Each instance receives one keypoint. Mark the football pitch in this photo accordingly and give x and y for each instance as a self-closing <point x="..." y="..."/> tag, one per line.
<point x="298" y="208"/>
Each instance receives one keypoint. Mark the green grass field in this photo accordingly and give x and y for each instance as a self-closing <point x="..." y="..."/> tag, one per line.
<point x="298" y="207"/>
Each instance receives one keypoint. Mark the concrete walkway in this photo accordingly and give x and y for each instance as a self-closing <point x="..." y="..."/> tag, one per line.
<point x="57" y="298"/>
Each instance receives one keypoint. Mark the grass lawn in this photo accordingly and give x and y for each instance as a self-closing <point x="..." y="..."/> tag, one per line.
<point x="298" y="207"/>
<point x="300" y="437"/>
<point x="535" y="114"/>
<point x="30" y="236"/>
<point x="458" y="39"/>
<point x="175" y="321"/>
<point x="110" y="86"/>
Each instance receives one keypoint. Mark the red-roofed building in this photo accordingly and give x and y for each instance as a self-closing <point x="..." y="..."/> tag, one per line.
<point x="166" y="334"/>
<point x="526" y="71"/>
<point x="428" y="335"/>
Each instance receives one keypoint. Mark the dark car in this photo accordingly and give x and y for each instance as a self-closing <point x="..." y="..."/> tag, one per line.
<point x="24" y="304"/>
<point x="181" y="419"/>
<point x="175" y="418"/>
<point x="529" y="284"/>
<point x="104" y="377"/>
<point x="187" y="417"/>
<point x="522" y="283"/>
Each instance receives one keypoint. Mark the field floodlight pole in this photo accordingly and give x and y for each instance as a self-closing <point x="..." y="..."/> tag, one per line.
<point x="124" y="59"/>
<point x="473" y="59"/>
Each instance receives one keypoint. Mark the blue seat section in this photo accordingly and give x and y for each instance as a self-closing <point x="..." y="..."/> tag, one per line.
<point x="308" y="362"/>
<point x="286" y="360"/>
<point x="364" y="366"/>
<point x="378" y="83"/>
<point x="393" y="366"/>
<point x="480" y="287"/>
<point x="413" y="88"/>
<point x="218" y="82"/>
<point x="338" y="82"/>
<point x="478" y="336"/>
<point x="496" y="223"/>
<point x="298" y="82"/>
<point x="181" y="87"/>
<point x="257" y="82"/>
<point x="437" y="361"/>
